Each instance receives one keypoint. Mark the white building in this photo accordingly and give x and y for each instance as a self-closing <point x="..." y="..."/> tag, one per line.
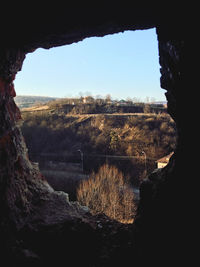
<point x="162" y="162"/>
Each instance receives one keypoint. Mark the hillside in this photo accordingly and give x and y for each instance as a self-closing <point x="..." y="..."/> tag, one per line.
<point x="55" y="136"/>
<point x="29" y="101"/>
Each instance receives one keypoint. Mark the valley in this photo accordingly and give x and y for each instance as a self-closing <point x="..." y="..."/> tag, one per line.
<point x="68" y="146"/>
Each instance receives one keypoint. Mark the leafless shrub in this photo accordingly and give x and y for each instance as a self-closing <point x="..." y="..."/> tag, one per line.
<point x="108" y="192"/>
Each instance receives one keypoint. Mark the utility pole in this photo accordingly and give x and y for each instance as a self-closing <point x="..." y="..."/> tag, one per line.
<point x="145" y="162"/>
<point x="81" y="153"/>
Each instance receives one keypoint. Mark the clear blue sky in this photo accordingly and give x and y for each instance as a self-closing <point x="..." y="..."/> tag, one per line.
<point x="122" y="65"/>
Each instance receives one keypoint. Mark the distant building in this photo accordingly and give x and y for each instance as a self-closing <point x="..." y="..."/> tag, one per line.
<point x="161" y="163"/>
<point x="88" y="99"/>
<point x="165" y="105"/>
<point x="122" y="102"/>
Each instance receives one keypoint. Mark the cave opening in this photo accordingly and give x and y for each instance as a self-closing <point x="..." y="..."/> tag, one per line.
<point x="73" y="136"/>
<point x="36" y="221"/>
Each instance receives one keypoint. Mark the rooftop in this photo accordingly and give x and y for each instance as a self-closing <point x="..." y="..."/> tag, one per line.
<point x="165" y="159"/>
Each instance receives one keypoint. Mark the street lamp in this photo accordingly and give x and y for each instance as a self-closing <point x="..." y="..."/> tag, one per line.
<point x="145" y="161"/>
<point x="81" y="158"/>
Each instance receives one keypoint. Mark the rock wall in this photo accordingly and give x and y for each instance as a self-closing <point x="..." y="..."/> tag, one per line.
<point x="161" y="219"/>
<point x="35" y="219"/>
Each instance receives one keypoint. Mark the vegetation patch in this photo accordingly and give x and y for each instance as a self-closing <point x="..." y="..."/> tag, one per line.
<point x="108" y="192"/>
<point x="107" y="152"/>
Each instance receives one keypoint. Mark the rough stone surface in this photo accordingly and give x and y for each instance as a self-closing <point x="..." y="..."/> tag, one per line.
<point x="40" y="227"/>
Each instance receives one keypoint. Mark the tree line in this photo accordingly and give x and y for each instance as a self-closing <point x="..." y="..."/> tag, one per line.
<point x="101" y="106"/>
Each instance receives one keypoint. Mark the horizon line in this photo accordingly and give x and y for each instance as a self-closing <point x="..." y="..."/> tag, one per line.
<point x="95" y="97"/>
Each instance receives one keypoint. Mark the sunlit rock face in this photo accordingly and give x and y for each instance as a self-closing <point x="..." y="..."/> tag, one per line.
<point x="40" y="226"/>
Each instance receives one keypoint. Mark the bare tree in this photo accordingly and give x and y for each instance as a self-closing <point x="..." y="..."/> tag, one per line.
<point x="107" y="192"/>
<point x="108" y="98"/>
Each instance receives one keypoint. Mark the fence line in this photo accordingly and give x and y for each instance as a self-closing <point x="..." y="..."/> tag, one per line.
<point x="90" y="155"/>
